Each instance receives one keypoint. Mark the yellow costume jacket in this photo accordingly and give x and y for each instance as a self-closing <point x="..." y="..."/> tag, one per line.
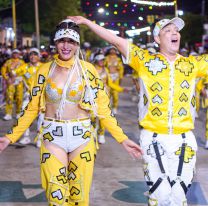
<point x="115" y="61"/>
<point x="167" y="89"/>
<point x="100" y="97"/>
<point x="108" y="82"/>
<point x="203" y="84"/>
<point x="9" y="66"/>
<point x="27" y="71"/>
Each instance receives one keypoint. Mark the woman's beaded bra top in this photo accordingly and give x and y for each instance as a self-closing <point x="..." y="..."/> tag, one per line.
<point x="73" y="92"/>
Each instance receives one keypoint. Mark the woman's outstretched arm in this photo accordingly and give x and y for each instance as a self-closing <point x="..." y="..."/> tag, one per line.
<point x="120" y="43"/>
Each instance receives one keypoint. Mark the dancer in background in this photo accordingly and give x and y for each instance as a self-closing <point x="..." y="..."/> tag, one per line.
<point x="14" y="85"/>
<point x="27" y="71"/>
<point x="116" y="70"/>
<point x="109" y="84"/>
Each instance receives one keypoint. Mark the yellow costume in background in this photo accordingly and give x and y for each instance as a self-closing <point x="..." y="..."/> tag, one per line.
<point x="199" y="87"/>
<point x="109" y="84"/>
<point x="14" y="90"/>
<point x="27" y="71"/>
<point x="88" y="53"/>
<point x="204" y="83"/>
<point x="116" y="71"/>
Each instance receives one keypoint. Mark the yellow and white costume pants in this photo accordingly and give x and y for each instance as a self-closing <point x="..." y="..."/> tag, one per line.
<point x="68" y="185"/>
<point x="169" y="163"/>
<point x="14" y="93"/>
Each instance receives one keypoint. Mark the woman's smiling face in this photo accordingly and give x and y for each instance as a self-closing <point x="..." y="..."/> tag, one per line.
<point x="66" y="48"/>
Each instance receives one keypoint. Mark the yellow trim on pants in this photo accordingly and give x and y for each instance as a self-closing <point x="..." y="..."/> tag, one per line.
<point x="68" y="186"/>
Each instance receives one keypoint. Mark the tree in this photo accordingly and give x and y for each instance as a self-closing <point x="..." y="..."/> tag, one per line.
<point x="4" y="4"/>
<point x="50" y="13"/>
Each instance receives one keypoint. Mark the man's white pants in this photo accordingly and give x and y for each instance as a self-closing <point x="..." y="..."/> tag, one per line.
<point x="170" y="191"/>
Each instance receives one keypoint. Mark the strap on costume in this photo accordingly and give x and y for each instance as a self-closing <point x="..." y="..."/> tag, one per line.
<point x="180" y="166"/>
<point x="184" y="186"/>
<point x="156" y="185"/>
<point x="181" y="157"/>
<point x="158" y="157"/>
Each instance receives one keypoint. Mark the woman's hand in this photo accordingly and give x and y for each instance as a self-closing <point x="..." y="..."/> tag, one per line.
<point x="4" y="142"/>
<point x="78" y="19"/>
<point x="105" y="34"/>
<point x="132" y="148"/>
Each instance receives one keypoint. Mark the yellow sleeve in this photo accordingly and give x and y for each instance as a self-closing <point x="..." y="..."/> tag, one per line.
<point x="32" y="109"/>
<point x="4" y="70"/>
<point x="112" y="85"/>
<point x="135" y="75"/>
<point x="21" y="70"/>
<point x="205" y="80"/>
<point x="106" y="61"/>
<point x="108" y="119"/>
<point x="202" y="65"/>
<point x="199" y="85"/>
<point x="104" y="112"/>
<point x="135" y="56"/>
<point x="121" y="69"/>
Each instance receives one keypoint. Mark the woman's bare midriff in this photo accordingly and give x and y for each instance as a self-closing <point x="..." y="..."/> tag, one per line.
<point x="113" y="69"/>
<point x="71" y="111"/>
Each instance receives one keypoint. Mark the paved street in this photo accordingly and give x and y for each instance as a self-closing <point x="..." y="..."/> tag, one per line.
<point x="118" y="179"/>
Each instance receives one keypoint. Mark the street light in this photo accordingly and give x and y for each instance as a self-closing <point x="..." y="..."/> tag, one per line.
<point x="101" y="10"/>
<point x="180" y="12"/>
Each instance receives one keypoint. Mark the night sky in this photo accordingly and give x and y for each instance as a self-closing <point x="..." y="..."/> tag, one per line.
<point x="129" y="18"/>
<point x="193" y="6"/>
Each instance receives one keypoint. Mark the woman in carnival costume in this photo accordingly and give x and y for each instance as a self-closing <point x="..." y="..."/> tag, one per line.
<point x="14" y="85"/>
<point x="103" y="72"/>
<point x="26" y="71"/>
<point x="68" y="90"/>
<point x="116" y="70"/>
